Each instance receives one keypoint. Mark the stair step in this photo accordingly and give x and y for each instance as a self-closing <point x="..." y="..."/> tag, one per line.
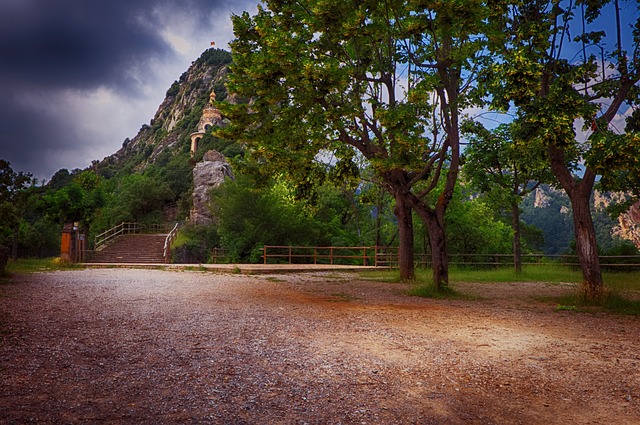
<point x="134" y="248"/>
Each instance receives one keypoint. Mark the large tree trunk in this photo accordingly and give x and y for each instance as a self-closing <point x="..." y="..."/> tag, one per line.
<point x="439" y="258"/>
<point x="405" y="246"/>
<point x="586" y="246"/>
<point x="517" y="238"/>
<point x="434" y="220"/>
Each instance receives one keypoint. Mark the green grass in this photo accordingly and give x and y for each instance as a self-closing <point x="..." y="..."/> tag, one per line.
<point x="623" y="287"/>
<point x="621" y="281"/>
<point x="393" y="276"/>
<point x="422" y="287"/>
<point x="613" y="302"/>
<point x="31" y="265"/>
<point x="543" y="273"/>
<point x="549" y="273"/>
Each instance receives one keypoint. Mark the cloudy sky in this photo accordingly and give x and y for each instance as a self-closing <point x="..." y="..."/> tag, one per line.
<point x="77" y="77"/>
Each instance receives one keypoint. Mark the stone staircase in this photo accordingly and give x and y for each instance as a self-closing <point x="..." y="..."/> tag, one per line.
<point x="132" y="248"/>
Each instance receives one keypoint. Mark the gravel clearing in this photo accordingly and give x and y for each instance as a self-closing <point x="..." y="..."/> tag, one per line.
<point x="162" y="347"/>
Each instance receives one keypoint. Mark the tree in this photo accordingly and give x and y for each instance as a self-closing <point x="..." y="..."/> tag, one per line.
<point x="380" y="81"/>
<point x="248" y="217"/>
<point x="76" y="201"/>
<point x="554" y="80"/>
<point x="473" y="230"/>
<point x="12" y="187"/>
<point x="140" y="198"/>
<point x="502" y="164"/>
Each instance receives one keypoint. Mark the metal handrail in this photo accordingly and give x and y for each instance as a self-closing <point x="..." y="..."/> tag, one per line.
<point x="106" y="237"/>
<point x="167" y="242"/>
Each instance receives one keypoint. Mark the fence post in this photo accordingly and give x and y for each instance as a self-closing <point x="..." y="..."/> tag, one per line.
<point x="315" y="255"/>
<point x="265" y="254"/>
<point x="364" y="260"/>
<point x="289" y="254"/>
<point x="331" y="255"/>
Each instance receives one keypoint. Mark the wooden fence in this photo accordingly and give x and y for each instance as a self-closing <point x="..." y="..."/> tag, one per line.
<point x="362" y="255"/>
<point x="380" y="256"/>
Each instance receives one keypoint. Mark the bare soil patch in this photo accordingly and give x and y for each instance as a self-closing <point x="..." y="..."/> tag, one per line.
<point x="148" y="346"/>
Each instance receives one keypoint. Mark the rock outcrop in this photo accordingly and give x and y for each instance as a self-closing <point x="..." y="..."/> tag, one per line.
<point x="629" y="225"/>
<point x="207" y="174"/>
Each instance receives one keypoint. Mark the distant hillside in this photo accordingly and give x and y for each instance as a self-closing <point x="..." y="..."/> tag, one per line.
<point x="549" y="210"/>
<point x="177" y="117"/>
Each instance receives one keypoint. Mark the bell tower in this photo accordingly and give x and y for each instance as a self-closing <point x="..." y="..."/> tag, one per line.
<point x="210" y="117"/>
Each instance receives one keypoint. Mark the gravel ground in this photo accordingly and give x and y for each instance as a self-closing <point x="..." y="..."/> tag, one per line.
<point x="149" y="346"/>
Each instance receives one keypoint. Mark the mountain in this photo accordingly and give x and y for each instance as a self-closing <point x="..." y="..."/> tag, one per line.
<point x="176" y="118"/>
<point x="549" y="209"/>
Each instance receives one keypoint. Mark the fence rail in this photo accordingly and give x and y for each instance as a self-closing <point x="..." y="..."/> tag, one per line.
<point x="501" y="260"/>
<point x="364" y="255"/>
<point x="380" y="256"/>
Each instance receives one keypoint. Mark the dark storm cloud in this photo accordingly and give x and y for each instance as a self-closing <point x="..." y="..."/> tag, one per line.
<point x="80" y="43"/>
<point x="47" y="47"/>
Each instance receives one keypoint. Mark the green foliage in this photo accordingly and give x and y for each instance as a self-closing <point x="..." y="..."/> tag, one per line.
<point x="504" y="162"/>
<point x="616" y="157"/>
<point x="173" y="90"/>
<point x="214" y="57"/>
<point x="174" y="172"/>
<point x="620" y="252"/>
<point x="140" y="198"/>
<point x="39" y="239"/>
<point x="229" y="149"/>
<point x="194" y="244"/>
<point x="77" y="201"/>
<point x="13" y="186"/>
<point x="538" y="71"/>
<point x="429" y="290"/>
<point x="249" y="218"/>
<point x="60" y="179"/>
<point x="473" y="229"/>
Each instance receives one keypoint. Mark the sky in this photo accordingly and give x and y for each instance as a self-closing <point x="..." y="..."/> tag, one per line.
<point x="77" y="77"/>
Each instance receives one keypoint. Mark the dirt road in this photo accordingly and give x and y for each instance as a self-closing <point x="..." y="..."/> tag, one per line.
<point x="145" y="346"/>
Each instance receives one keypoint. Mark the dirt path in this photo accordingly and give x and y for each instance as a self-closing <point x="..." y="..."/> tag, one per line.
<point x="145" y="346"/>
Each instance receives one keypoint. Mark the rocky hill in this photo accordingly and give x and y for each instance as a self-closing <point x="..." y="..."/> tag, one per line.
<point x="549" y="210"/>
<point x="177" y="117"/>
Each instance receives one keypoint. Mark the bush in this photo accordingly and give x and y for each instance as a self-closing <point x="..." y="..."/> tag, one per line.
<point x="194" y="244"/>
